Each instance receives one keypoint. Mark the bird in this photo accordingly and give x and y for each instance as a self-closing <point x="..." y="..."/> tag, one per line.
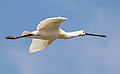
<point x="48" y="31"/>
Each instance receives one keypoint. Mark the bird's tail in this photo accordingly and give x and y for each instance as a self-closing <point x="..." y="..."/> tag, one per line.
<point x="26" y="33"/>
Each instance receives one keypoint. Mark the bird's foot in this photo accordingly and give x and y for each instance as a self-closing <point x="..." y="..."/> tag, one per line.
<point x="11" y="37"/>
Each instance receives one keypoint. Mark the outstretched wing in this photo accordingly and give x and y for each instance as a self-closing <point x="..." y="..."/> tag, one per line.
<point x="39" y="44"/>
<point x="51" y="23"/>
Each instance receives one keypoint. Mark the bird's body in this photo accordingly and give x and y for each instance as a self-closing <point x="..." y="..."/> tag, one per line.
<point x="47" y="31"/>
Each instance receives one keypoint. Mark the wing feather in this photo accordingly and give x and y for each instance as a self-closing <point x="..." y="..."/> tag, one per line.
<point x="39" y="44"/>
<point x="51" y="23"/>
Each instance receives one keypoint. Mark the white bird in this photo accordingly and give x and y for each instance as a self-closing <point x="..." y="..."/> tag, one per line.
<point x="47" y="31"/>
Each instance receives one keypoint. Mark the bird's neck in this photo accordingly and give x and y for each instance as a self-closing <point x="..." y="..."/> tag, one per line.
<point x="72" y="34"/>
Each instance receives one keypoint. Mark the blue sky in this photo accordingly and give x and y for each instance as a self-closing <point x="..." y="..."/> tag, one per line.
<point x="83" y="55"/>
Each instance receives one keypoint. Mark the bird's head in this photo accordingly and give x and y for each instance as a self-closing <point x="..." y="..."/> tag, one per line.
<point x="80" y="33"/>
<point x="83" y="33"/>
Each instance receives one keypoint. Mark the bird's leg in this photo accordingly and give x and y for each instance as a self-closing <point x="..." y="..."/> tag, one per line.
<point x="16" y="37"/>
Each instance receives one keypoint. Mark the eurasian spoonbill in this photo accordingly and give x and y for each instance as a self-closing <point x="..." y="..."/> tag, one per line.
<point x="47" y="31"/>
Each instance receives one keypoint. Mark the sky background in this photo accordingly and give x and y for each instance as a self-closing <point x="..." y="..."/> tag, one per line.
<point x="82" y="55"/>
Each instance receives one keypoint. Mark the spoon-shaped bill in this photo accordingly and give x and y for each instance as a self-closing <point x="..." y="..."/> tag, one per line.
<point x="95" y="35"/>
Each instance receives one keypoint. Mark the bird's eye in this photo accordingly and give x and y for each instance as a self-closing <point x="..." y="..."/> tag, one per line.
<point x="83" y="32"/>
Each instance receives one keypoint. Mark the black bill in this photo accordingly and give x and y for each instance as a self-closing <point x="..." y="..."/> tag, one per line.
<point x="95" y="35"/>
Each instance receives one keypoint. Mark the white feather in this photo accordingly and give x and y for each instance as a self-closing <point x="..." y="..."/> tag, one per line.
<point x="39" y="44"/>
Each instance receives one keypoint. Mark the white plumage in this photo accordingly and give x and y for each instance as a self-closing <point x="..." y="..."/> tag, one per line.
<point x="47" y="31"/>
<point x="39" y="44"/>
